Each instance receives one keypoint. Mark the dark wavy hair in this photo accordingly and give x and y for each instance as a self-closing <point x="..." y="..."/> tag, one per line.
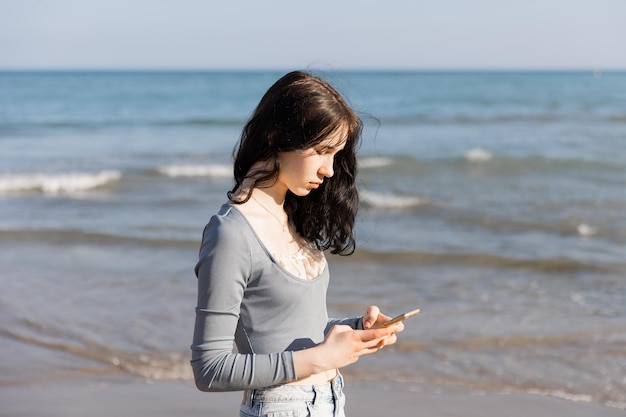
<point x="298" y="112"/>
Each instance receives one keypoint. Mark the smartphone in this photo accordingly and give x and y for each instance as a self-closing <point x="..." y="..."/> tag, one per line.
<point x="397" y="319"/>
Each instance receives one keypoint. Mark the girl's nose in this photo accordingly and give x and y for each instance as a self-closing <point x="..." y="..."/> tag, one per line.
<point x="327" y="167"/>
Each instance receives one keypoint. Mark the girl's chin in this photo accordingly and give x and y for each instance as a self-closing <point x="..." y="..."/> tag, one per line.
<point x="302" y="192"/>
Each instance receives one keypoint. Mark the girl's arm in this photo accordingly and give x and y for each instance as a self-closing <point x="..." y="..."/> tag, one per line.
<point x="222" y="271"/>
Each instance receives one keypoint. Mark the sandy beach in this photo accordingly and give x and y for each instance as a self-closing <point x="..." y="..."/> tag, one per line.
<point x="104" y="397"/>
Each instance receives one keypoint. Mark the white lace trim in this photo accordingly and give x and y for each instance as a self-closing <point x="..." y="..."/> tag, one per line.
<point x="307" y="263"/>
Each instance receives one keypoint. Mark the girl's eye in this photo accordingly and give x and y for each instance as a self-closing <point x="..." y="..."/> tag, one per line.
<point x="321" y="150"/>
<point x="328" y="151"/>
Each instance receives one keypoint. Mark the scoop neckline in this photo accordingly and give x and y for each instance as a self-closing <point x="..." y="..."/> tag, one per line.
<point x="269" y="254"/>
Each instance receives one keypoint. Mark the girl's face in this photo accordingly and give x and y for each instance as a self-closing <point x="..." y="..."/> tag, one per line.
<point x="304" y="170"/>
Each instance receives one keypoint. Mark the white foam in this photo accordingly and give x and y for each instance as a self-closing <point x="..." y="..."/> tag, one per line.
<point x="478" y="155"/>
<point x="583" y="398"/>
<point x="215" y="170"/>
<point x="392" y="201"/>
<point x="375" y="162"/>
<point x="61" y="183"/>
<point x="586" y="230"/>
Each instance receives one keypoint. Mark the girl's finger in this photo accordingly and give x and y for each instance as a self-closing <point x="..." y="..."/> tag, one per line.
<point x="370" y="316"/>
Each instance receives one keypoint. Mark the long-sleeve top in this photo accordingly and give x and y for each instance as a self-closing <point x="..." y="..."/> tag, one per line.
<point x="247" y="298"/>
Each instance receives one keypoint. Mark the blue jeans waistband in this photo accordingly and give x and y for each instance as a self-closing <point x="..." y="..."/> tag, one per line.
<point x="287" y="393"/>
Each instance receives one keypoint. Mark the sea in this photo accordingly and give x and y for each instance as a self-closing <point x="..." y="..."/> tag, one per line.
<point x="493" y="201"/>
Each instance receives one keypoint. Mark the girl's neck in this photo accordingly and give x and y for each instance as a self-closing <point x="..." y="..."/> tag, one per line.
<point x="269" y="196"/>
<point x="273" y="195"/>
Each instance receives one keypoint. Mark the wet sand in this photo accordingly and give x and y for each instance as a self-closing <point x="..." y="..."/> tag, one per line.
<point x="122" y="397"/>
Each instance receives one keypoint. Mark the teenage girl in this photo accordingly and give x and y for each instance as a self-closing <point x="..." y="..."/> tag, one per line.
<point x="262" y="273"/>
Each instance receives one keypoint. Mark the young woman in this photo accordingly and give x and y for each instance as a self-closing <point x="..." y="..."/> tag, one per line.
<point x="262" y="273"/>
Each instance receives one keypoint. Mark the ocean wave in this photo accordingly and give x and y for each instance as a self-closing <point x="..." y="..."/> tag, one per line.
<point x="478" y="155"/>
<point x="375" y="162"/>
<point x="586" y="230"/>
<point x="592" y="228"/>
<point x="537" y="118"/>
<point x="390" y="201"/>
<point x="200" y="121"/>
<point x="123" y="123"/>
<point x="519" y="165"/>
<point x="58" y="236"/>
<point x="152" y="366"/>
<point x="618" y="119"/>
<point x="214" y="170"/>
<point x="482" y="260"/>
<point x="417" y="119"/>
<point x="408" y="258"/>
<point x="57" y="183"/>
<point x="234" y="121"/>
<point x="495" y="164"/>
<point x="612" y="336"/>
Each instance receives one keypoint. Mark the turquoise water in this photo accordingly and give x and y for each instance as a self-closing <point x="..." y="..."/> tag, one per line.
<point x="493" y="201"/>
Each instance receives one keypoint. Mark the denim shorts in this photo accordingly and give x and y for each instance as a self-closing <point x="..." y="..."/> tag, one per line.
<point x="324" y="400"/>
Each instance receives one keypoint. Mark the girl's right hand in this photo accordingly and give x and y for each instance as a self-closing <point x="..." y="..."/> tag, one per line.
<point x="342" y="346"/>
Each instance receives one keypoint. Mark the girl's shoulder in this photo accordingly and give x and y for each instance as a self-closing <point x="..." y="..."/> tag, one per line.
<point x="231" y="213"/>
<point x="228" y="227"/>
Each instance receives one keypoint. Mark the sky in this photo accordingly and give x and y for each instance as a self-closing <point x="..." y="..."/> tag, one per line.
<point x="327" y="34"/>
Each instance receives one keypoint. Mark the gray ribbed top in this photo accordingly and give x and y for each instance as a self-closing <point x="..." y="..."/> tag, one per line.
<point x="246" y="297"/>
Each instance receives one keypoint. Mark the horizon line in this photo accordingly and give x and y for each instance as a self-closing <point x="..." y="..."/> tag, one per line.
<point x="312" y="69"/>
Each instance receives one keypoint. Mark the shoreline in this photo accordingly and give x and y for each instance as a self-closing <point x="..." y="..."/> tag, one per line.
<point x="106" y="396"/>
